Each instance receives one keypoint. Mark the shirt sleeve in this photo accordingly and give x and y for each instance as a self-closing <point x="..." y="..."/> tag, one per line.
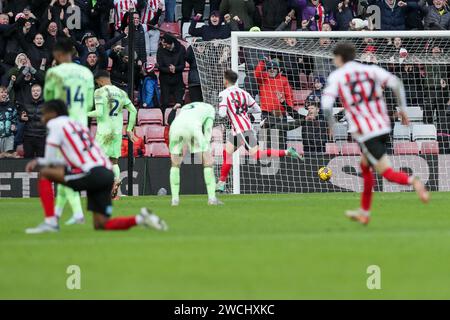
<point x="132" y="112"/>
<point x="99" y="105"/>
<point x="252" y="105"/>
<point x="384" y="77"/>
<point x="53" y="142"/>
<point x="222" y="105"/>
<point x="330" y="93"/>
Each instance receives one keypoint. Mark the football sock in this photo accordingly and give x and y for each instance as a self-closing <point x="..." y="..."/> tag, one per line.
<point x="120" y="223"/>
<point x="226" y="166"/>
<point x="396" y="176"/>
<point x="210" y="182"/>
<point x="175" y="182"/>
<point x="61" y="200"/>
<point x="270" y="153"/>
<point x="48" y="202"/>
<point x="366" y="196"/>
<point x="116" y="171"/>
<point x="75" y="202"/>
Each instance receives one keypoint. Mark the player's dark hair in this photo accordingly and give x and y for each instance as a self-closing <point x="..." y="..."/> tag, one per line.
<point x="231" y="76"/>
<point x="102" y="74"/>
<point x="63" y="44"/>
<point x="56" y="106"/>
<point x="346" y="51"/>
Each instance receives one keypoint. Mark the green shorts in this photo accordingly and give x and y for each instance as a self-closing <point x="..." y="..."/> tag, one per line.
<point x="193" y="138"/>
<point x="111" y="144"/>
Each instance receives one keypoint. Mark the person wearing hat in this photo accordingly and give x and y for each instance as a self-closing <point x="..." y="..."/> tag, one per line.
<point x="214" y="30"/>
<point x="150" y="95"/>
<point x="170" y="57"/>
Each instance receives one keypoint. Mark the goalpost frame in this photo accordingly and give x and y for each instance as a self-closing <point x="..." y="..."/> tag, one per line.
<point x="235" y="35"/>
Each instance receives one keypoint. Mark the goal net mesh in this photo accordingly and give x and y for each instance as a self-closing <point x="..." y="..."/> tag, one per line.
<point x="421" y="149"/>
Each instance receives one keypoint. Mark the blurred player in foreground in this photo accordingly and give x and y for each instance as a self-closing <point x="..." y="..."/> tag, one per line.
<point x="73" y="84"/>
<point x="193" y="128"/>
<point x="109" y="104"/>
<point x="237" y="105"/>
<point x="94" y="173"/>
<point x="360" y="89"/>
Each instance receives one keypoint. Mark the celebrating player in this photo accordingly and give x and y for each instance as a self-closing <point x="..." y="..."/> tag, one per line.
<point x="359" y="88"/>
<point x="237" y="104"/>
<point x="109" y="104"/>
<point x="73" y="84"/>
<point x="193" y="127"/>
<point x="93" y="173"/>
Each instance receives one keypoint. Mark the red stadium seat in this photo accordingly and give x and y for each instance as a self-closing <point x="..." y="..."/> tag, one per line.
<point x="158" y="150"/>
<point x="140" y="132"/>
<point x="171" y="27"/>
<point x="154" y="133"/>
<point x="332" y="149"/>
<point x="429" y="147"/>
<point x="297" y="145"/>
<point x="150" y="116"/>
<point x="406" y="147"/>
<point x="19" y="150"/>
<point x="350" y="149"/>
<point x="125" y="116"/>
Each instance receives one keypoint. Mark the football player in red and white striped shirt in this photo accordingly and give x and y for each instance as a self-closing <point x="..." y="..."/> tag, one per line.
<point x="237" y="104"/>
<point x="84" y="167"/>
<point x="360" y="89"/>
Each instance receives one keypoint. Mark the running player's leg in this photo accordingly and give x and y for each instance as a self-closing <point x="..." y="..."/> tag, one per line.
<point x="251" y="144"/>
<point x="60" y="201"/>
<point x="117" y="181"/>
<point x="210" y="180"/>
<point x="175" y="178"/>
<point x="74" y="199"/>
<point x="227" y="163"/>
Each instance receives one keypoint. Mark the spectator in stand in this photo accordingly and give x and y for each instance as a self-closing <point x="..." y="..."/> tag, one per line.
<point x="314" y="127"/>
<point x="314" y="15"/>
<point x="150" y="95"/>
<point x="393" y="13"/>
<point x="139" y="38"/>
<point x="59" y="11"/>
<point x="414" y="17"/>
<point x="410" y="74"/>
<point x="121" y="8"/>
<point x="273" y="13"/>
<point x="6" y="30"/>
<point x="171" y="63"/>
<point x="214" y="30"/>
<point x="286" y="25"/>
<point x="94" y="63"/>
<point x="36" y="51"/>
<point x="100" y="13"/>
<point x="34" y="131"/>
<point x="150" y="18"/>
<point x="195" y="89"/>
<point x="437" y="16"/>
<point x="170" y="10"/>
<point x="316" y="93"/>
<point x="16" y="6"/>
<point x="119" y="71"/>
<point x="188" y="5"/>
<point x="244" y="9"/>
<point x="344" y="15"/>
<point x="8" y="122"/>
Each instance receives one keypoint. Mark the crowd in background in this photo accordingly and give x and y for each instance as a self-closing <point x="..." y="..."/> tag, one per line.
<point x="30" y="28"/>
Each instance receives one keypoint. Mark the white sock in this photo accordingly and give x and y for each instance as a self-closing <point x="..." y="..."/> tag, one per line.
<point x="59" y="211"/>
<point x="139" y="219"/>
<point x="51" y="221"/>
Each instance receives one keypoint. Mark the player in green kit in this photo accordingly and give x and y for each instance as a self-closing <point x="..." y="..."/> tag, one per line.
<point x="73" y="84"/>
<point x="193" y="127"/>
<point x="109" y="104"/>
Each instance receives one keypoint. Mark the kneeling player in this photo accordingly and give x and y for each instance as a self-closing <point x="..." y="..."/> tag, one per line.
<point x="237" y="104"/>
<point x="193" y="128"/>
<point x="360" y="89"/>
<point x="94" y="174"/>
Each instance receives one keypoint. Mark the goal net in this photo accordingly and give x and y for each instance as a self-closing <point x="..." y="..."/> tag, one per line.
<point x="293" y="67"/>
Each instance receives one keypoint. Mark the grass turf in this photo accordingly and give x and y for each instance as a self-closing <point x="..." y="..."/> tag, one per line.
<point x="254" y="247"/>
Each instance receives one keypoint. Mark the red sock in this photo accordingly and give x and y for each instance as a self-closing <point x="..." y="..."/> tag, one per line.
<point x="366" y="196"/>
<point x="396" y="176"/>
<point x="226" y="166"/>
<point x="47" y="197"/>
<point x="270" y="153"/>
<point x="120" y="223"/>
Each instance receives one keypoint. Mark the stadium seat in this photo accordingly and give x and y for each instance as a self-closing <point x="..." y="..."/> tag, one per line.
<point x="402" y="132"/>
<point x="171" y="27"/>
<point x="125" y="116"/>
<point x="405" y="147"/>
<point x="415" y="114"/>
<point x="350" y="149"/>
<point x="150" y="116"/>
<point x="140" y="132"/>
<point x="217" y="134"/>
<point x="429" y="147"/>
<point x="298" y="145"/>
<point x="154" y="133"/>
<point x="424" y="132"/>
<point x="340" y="132"/>
<point x="332" y="149"/>
<point x="20" y="151"/>
<point x="299" y="96"/>
<point x="157" y="150"/>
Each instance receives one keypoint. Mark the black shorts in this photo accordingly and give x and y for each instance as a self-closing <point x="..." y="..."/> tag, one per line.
<point x="374" y="149"/>
<point x="247" y="138"/>
<point x="98" y="183"/>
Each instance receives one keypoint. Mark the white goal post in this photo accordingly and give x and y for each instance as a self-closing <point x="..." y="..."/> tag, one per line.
<point x="420" y="58"/>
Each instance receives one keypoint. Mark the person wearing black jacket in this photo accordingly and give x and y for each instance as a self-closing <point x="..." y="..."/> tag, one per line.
<point x="36" y="51"/>
<point x="34" y="131"/>
<point x="171" y="64"/>
<point x="195" y="89"/>
<point x="214" y="30"/>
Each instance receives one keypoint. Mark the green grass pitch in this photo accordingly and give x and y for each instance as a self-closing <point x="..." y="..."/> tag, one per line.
<point x="254" y="247"/>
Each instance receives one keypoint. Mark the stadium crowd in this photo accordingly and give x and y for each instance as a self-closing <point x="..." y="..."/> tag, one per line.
<point x="165" y="68"/>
